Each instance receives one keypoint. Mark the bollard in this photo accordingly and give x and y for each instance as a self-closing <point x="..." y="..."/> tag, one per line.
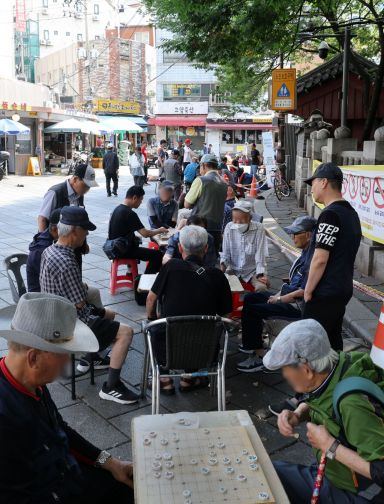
<point x="377" y="351"/>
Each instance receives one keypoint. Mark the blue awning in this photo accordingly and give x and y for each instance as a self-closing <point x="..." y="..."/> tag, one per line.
<point x="140" y="121"/>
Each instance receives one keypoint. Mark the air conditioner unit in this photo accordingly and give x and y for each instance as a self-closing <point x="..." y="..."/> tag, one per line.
<point x="44" y="12"/>
<point x="79" y="15"/>
<point x="95" y="17"/>
<point x="43" y="42"/>
<point x="49" y="42"/>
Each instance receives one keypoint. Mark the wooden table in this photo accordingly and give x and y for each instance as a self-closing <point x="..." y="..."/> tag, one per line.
<point x="162" y="239"/>
<point x="189" y="441"/>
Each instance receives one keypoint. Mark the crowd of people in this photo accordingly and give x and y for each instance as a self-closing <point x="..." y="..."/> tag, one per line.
<point x="214" y="234"/>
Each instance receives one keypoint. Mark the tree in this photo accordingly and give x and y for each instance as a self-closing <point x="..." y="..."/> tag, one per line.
<point x="245" y="39"/>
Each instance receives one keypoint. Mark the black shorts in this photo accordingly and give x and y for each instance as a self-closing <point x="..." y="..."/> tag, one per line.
<point x="105" y="331"/>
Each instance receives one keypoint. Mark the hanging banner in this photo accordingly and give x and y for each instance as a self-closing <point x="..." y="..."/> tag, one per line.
<point x="268" y="154"/>
<point x="363" y="187"/>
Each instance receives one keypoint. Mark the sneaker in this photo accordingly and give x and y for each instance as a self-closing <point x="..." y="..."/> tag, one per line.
<point x="98" y="363"/>
<point x="115" y="194"/>
<point x="288" y="404"/>
<point x="243" y="350"/>
<point x="109" y="195"/>
<point x="251" y="365"/>
<point x="119" y="393"/>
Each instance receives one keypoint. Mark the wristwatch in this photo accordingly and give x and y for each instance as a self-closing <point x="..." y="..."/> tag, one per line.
<point x="102" y="458"/>
<point x="279" y="299"/>
<point x="331" y="452"/>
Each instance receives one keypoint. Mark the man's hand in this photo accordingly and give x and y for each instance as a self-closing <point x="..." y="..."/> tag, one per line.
<point x="286" y="422"/>
<point x="223" y="267"/>
<point x="264" y="280"/>
<point x="121" y="470"/>
<point x="161" y="230"/>
<point x="273" y="299"/>
<point x="319" y="437"/>
<point x="307" y="295"/>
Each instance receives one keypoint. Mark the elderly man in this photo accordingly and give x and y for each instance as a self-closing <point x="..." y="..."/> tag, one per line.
<point x="245" y="247"/>
<point x="71" y="192"/>
<point x="60" y="274"/>
<point x="207" y="196"/>
<point x="125" y="222"/>
<point x="172" y="251"/>
<point x="354" y="444"/>
<point x="111" y="170"/>
<point x="173" y="172"/>
<point x="184" y="287"/>
<point x="190" y="173"/>
<point x="162" y="209"/>
<point x="259" y="306"/>
<point x="43" y="460"/>
<point x="136" y="166"/>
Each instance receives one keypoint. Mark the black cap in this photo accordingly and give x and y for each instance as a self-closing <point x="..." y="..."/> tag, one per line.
<point x="76" y="216"/>
<point x="175" y="152"/>
<point x="55" y="216"/>
<point x="328" y="171"/>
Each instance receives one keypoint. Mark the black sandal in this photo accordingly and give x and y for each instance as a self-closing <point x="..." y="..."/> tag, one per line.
<point x="194" y="383"/>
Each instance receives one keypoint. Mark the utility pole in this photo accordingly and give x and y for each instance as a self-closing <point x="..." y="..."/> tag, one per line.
<point x="345" y="85"/>
<point x="88" y="99"/>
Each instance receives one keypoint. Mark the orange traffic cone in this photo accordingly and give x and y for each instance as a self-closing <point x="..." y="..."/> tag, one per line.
<point x="377" y="351"/>
<point x="253" y="191"/>
<point x="226" y="178"/>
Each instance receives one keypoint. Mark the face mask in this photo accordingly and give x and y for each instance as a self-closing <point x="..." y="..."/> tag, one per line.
<point x="241" y="227"/>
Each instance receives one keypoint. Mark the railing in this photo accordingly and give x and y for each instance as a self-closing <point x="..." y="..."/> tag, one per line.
<point x="218" y="100"/>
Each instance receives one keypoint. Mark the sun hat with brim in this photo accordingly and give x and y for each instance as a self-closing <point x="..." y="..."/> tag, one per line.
<point x="46" y="322"/>
<point x="299" y="342"/>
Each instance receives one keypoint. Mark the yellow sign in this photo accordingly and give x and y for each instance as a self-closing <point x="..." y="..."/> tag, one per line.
<point x="283" y="89"/>
<point x="33" y="166"/>
<point x="262" y="120"/>
<point x="117" y="106"/>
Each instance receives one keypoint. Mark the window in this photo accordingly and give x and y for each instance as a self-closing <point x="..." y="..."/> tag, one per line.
<point x="176" y="92"/>
<point x="67" y="34"/>
<point x="55" y="32"/>
<point x="174" y="57"/>
<point x="79" y="37"/>
<point x="46" y="34"/>
<point x="97" y="37"/>
<point x="45" y="3"/>
<point x="142" y="37"/>
<point x="227" y="136"/>
<point x="96" y="9"/>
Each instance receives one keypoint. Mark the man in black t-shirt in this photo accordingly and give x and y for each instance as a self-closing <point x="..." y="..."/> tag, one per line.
<point x="184" y="287"/>
<point x="123" y="224"/>
<point x="335" y="243"/>
<point x="255" y="160"/>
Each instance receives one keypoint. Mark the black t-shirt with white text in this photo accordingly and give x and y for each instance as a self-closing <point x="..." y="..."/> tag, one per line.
<point x="338" y="230"/>
<point x="123" y="224"/>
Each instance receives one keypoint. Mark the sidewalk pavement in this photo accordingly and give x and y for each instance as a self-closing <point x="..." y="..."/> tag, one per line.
<point x="362" y="311"/>
<point x="105" y="423"/>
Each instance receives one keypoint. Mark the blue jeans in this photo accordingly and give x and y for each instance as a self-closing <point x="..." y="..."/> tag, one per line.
<point x="298" y="482"/>
<point x="254" y="169"/>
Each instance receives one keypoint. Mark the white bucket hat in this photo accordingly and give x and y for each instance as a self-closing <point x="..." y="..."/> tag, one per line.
<point x="46" y="322"/>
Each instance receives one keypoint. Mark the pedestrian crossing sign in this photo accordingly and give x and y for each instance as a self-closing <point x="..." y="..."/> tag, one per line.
<point x="283" y="93"/>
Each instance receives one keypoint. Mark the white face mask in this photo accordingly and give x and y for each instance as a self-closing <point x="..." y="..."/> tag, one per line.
<point x="241" y="227"/>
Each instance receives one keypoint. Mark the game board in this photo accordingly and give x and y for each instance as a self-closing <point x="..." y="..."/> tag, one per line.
<point x="195" y="465"/>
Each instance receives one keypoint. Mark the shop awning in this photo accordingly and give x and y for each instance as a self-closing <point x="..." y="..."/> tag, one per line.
<point x="178" y="120"/>
<point x="121" y="123"/>
<point x="240" y="126"/>
<point x="136" y="119"/>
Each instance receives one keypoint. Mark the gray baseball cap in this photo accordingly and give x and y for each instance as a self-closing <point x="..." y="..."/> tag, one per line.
<point x="301" y="224"/>
<point x="209" y="158"/>
<point x="243" y="206"/>
<point x="46" y="322"/>
<point x="87" y="174"/>
<point x="299" y="342"/>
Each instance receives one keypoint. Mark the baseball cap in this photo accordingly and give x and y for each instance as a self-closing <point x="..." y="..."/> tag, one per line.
<point x="209" y="158"/>
<point x="76" y="216"/>
<point x="110" y="145"/>
<point x="187" y="141"/>
<point x="328" y="171"/>
<point x="301" y="224"/>
<point x="55" y="216"/>
<point x="87" y="174"/>
<point x="299" y="342"/>
<point x="167" y="184"/>
<point x="243" y="206"/>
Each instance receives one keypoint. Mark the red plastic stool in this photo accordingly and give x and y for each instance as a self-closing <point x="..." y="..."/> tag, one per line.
<point x="238" y="299"/>
<point x="118" y="281"/>
<point x="153" y="245"/>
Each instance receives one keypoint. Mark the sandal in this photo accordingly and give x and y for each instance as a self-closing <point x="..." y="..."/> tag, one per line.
<point x="166" y="386"/>
<point x="193" y="383"/>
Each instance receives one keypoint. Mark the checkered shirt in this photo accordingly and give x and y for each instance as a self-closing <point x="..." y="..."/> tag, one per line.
<point x="60" y="274"/>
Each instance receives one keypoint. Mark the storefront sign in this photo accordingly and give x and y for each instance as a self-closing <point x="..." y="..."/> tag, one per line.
<point x="21" y="24"/>
<point x="268" y="154"/>
<point x="4" y="105"/>
<point x="116" y="106"/>
<point x="262" y="120"/>
<point x="183" y="108"/>
<point x="283" y="89"/>
<point x="363" y="187"/>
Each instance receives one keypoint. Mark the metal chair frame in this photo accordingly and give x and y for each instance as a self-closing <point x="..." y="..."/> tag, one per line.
<point x="13" y="263"/>
<point x="150" y="358"/>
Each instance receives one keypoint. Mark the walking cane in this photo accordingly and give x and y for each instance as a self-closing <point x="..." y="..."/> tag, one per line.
<point x="319" y="479"/>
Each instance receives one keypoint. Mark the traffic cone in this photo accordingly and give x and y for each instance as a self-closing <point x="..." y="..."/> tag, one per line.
<point x="226" y="178"/>
<point x="253" y="191"/>
<point x="377" y="350"/>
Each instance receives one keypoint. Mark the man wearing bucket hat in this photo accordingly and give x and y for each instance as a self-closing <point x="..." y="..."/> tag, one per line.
<point x="354" y="444"/>
<point x="42" y="459"/>
<point x="61" y="275"/>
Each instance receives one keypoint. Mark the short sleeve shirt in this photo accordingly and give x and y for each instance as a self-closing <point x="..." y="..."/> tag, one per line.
<point x="49" y="201"/>
<point x="182" y="291"/>
<point x="123" y="224"/>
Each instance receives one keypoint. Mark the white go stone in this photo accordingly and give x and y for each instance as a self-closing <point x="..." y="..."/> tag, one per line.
<point x="242" y="477"/>
<point x="156" y="466"/>
<point x="146" y="441"/>
<point x="212" y="461"/>
<point x="169" y="464"/>
<point x="220" y="445"/>
<point x="187" y="493"/>
<point x="164" y="441"/>
<point x="254" y="467"/>
<point x="158" y="456"/>
<point x="263" y="496"/>
<point x="153" y="434"/>
<point x="193" y="462"/>
<point x="252" y="458"/>
<point x="229" y="470"/>
<point x="181" y="421"/>
<point x="244" y="452"/>
<point x="226" y="461"/>
<point x="237" y="460"/>
<point x="167" y="456"/>
<point x="212" y="454"/>
<point x="157" y="474"/>
<point x="205" y="470"/>
<point x="169" y="475"/>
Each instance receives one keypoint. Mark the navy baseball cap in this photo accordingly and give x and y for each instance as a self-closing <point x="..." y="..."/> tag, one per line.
<point x="76" y="216"/>
<point x="301" y="224"/>
<point x="328" y="171"/>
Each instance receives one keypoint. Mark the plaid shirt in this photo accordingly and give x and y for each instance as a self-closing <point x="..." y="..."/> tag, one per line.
<point x="60" y="274"/>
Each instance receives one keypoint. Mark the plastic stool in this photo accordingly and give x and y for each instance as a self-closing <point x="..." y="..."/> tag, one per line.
<point x="118" y="281"/>
<point x="153" y="245"/>
<point x="238" y="299"/>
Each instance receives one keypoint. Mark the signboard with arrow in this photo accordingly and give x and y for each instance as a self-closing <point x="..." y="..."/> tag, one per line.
<point x="283" y="89"/>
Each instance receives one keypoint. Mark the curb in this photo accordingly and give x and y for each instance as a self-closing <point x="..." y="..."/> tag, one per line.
<point x="358" y="318"/>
